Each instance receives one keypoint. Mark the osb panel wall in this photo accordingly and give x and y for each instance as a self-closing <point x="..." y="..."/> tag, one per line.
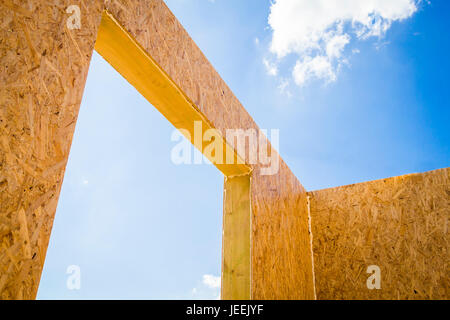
<point x="399" y="224"/>
<point x="43" y="68"/>
<point x="281" y="259"/>
<point x="43" y="72"/>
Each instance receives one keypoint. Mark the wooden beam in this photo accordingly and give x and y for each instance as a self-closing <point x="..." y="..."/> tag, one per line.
<point x="123" y="52"/>
<point x="281" y="255"/>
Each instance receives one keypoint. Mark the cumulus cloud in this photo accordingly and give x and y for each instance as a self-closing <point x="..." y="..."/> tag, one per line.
<point x="271" y="67"/>
<point x="209" y="288"/>
<point x="318" y="31"/>
<point x="211" y="281"/>
<point x="283" y="87"/>
<point x="318" y="67"/>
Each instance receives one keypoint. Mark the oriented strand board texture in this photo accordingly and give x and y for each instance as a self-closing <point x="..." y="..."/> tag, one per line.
<point x="281" y="254"/>
<point x="43" y="68"/>
<point x="43" y="72"/>
<point x="399" y="224"/>
<point x="281" y="261"/>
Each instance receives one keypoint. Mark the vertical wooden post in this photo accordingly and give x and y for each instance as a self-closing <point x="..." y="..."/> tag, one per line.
<point x="236" y="251"/>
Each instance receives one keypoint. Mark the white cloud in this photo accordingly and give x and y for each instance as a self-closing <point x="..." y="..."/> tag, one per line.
<point x="317" y="31"/>
<point x="209" y="288"/>
<point x="271" y="67"/>
<point x="256" y="41"/>
<point x="318" y="67"/>
<point x="211" y="281"/>
<point x="283" y="87"/>
<point x="335" y="45"/>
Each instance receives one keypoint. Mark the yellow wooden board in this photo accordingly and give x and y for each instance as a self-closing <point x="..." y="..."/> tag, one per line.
<point x="140" y="69"/>
<point x="236" y="256"/>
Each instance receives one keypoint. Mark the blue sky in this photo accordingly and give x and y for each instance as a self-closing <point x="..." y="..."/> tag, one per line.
<point x="139" y="226"/>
